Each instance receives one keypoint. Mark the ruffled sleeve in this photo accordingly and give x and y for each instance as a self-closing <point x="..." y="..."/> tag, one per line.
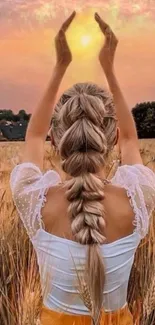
<point x="139" y="182"/>
<point x="29" y="185"/>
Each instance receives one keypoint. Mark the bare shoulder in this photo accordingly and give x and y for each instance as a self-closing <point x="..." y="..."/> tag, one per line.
<point x="55" y="212"/>
<point x="119" y="212"/>
<point x="56" y="199"/>
<point x="118" y="217"/>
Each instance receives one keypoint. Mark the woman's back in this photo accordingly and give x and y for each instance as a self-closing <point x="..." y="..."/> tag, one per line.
<point x="62" y="260"/>
<point x="119" y="222"/>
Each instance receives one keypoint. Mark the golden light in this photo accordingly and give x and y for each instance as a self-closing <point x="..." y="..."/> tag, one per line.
<point x="84" y="36"/>
<point x="85" y="40"/>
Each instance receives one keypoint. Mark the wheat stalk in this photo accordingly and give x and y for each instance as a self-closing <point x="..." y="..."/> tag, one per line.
<point x="18" y="295"/>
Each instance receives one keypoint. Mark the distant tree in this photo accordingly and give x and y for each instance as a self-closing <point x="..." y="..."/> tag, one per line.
<point x="144" y="115"/>
<point x="16" y="118"/>
<point x="6" y="115"/>
<point x="22" y="114"/>
<point x="28" y="117"/>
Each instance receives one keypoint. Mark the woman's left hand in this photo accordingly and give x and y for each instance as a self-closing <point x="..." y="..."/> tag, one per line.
<point x="108" y="50"/>
<point x="63" y="52"/>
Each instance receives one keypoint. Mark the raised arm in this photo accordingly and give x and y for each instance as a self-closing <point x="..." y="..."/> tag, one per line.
<point x="129" y="145"/>
<point x="40" y="121"/>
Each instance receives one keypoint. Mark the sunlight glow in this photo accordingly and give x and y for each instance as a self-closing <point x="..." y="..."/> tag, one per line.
<point x="84" y="36"/>
<point x="85" y="40"/>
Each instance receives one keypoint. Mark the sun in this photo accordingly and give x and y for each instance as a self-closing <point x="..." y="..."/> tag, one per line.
<point x="86" y="40"/>
<point x="84" y="36"/>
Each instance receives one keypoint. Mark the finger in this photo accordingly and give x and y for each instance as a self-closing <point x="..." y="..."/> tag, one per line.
<point x="58" y="42"/>
<point x="63" y="41"/>
<point x="102" y="24"/>
<point x="69" y="20"/>
<point x="62" y="44"/>
<point x="99" y="19"/>
<point x="105" y="28"/>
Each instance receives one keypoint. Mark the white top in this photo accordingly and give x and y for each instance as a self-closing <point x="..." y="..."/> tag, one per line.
<point x="62" y="261"/>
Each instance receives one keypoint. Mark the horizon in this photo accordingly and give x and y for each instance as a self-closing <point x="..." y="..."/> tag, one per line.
<point x="16" y="112"/>
<point x="27" y="49"/>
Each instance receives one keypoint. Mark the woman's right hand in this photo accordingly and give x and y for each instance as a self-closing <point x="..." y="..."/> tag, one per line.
<point x="107" y="53"/>
<point x="63" y="52"/>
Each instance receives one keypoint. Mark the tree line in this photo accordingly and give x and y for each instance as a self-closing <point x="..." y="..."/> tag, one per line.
<point x="143" y="113"/>
<point x="144" y="116"/>
<point x="9" y="115"/>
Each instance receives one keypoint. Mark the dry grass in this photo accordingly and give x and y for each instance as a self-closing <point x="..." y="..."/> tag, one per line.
<point x="20" y="297"/>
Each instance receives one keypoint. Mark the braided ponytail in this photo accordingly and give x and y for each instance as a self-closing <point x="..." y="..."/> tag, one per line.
<point x="83" y="147"/>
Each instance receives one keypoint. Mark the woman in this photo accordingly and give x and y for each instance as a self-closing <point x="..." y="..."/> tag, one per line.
<point x="86" y="230"/>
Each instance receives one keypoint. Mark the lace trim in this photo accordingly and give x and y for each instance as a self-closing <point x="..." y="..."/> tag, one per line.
<point x="41" y="203"/>
<point x="134" y="208"/>
<point x="134" y="179"/>
<point x="139" y="219"/>
<point x="41" y="200"/>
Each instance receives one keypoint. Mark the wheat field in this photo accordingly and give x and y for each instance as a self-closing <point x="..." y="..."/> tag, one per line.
<point x="20" y="292"/>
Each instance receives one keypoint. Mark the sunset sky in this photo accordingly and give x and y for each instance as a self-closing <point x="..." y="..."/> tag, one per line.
<point x="27" y="30"/>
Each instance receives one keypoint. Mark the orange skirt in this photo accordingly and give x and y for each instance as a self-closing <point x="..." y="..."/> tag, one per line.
<point x="120" y="317"/>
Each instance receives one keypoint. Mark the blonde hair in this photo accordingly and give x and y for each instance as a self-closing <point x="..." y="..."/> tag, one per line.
<point x="84" y="130"/>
